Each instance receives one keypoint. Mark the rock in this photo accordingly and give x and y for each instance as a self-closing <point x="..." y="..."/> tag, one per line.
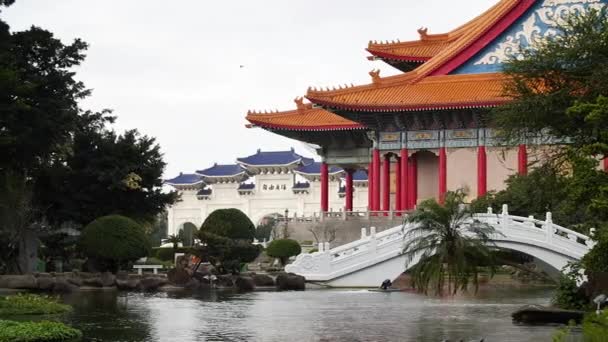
<point x="62" y="285"/>
<point x="46" y="283"/>
<point x="193" y="284"/>
<point x="94" y="282"/>
<point x="290" y="281"/>
<point x="107" y="279"/>
<point x="244" y="284"/>
<point x="224" y="280"/>
<point x="151" y="283"/>
<point x="535" y="314"/>
<point x="128" y="284"/>
<point x="74" y="278"/>
<point x="178" y="276"/>
<point x="26" y="282"/>
<point x="122" y="275"/>
<point x="263" y="280"/>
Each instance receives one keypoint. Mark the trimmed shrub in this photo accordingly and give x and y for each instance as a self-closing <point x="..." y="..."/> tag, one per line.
<point x="114" y="241"/>
<point x="43" y="331"/>
<point x="167" y="253"/>
<point x="283" y="249"/>
<point x="30" y="304"/>
<point x="230" y="223"/>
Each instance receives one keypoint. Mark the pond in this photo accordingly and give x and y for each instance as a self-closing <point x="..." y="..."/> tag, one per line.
<point x="317" y="315"/>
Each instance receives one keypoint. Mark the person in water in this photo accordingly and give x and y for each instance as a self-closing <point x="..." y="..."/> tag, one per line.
<point x="386" y="284"/>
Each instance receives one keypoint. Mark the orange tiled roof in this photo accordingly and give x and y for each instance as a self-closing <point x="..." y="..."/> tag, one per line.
<point x="432" y="92"/>
<point x="428" y="45"/>
<point x="305" y="118"/>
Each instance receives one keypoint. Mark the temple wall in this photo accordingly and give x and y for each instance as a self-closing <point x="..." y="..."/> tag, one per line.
<point x="502" y="163"/>
<point x="428" y="175"/>
<point x="462" y="170"/>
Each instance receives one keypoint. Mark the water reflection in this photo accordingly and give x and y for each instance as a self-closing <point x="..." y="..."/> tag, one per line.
<point x="328" y="315"/>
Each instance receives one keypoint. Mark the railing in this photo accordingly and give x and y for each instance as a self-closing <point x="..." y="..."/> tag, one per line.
<point x="373" y="248"/>
<point x="347" y="215"/>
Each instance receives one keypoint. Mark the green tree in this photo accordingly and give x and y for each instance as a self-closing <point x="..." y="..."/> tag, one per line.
<point x="230" y="223"/>
<point x="114" y="241"/>
<point x="283" y="249"/>
<point x="451" y="246"/>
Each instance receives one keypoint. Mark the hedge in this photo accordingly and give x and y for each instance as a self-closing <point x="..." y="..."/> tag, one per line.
<point x="43" y="331"/>
<point x="167" y="253"/>
<point x="30" y="304"/>
<point x="283" y="249"/>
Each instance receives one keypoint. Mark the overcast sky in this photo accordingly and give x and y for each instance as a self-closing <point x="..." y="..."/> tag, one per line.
<point x="172" y="69"/>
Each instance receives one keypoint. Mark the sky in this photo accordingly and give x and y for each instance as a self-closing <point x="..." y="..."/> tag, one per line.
<point x="187" y="71"/>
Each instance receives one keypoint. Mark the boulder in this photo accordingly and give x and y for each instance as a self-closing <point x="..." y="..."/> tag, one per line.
<point x="224" y="280"/>
<point x="46" y="283"/>
<point x="26" y="282"/>
<point x="128" y="284"/>
<point x="263" y="280"/>
<point x="178" y="276"/>
<point x="193" y="284"/>
<point x="290" y="281"/>
<point x="94" y="282"/>
<point x="107" y="279"/>
<point x="151" y="283"/>
<point x="74" y="278"/>
<point x="62" y="285"/>
<point x="244" y="284"/>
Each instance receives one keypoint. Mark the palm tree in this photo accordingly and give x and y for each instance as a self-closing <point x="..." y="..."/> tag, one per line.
<point x="175" y="240"/>
<point x="451" y="245"/>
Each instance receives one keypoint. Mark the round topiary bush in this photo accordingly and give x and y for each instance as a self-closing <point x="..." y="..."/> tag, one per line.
<point x="114" y="240"/>
<point x="283" y="249"/>
<point x="230" y="223"/>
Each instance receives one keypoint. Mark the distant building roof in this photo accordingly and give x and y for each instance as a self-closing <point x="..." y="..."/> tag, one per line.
<point x="315" y="169"/>
<point x="204" y="192"/>
<point x="275" y="158"/>
<point x="301" y="185"/>
<point x="360" y="176"/>
<point x="222" y="171"/>
<point x="246" y="186"/>
<point x="185" y="179"/>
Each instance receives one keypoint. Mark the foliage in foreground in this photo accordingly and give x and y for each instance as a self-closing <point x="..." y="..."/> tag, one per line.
<point x="114" y="240"/>
<point x="452" y="247"/>
<point x="43" y="331"/>
<point x="595" y="329"/>
<point x="31" y="304"/>
<point x="283" y="249"/>
<point x="568" y="295"/>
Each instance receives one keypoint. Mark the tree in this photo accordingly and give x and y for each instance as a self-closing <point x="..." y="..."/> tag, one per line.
<point x="175" y="240"/>
<point x="558" y="86"/>
<point x="224" y="253"/>
<point x="451" y="246"/>
<point x="229" y="223"/>
<point x="283" y="249"/>
<point x="113" y="241"/>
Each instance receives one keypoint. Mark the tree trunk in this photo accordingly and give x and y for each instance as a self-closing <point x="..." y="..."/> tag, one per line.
<point x="28" y="252"/>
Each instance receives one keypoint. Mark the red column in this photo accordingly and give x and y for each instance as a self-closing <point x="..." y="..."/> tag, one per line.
<point x="386" y="183"/>
<point x="370" y="189"/>
<point x="413" y="181"/>
<point x="376" y="194"/>
<point x="443" y="174"/>
<point x="404" y="180"/>
<point x="349" y="190"/>
<point x="482" y="171"/>
<point x="606" y="164"/>
<point x="522" y="160"/>
<point x="398" y="205"/>
<point x="324" y="187"/>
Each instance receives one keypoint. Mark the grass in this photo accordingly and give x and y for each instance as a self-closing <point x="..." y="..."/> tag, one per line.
<point x="43" y="331"/>
<point x="30" y="304"/>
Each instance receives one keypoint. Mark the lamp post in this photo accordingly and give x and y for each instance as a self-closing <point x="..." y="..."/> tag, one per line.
<point x="285" y="232"/>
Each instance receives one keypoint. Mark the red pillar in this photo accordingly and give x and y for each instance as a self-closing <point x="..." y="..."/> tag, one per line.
<point x="376" y="173"/>
<point x="398" y="205"/>
<point x="404" y="180"/>
<point x="386" y="183"/>
<point x="349" y="190"/>
<point x="370" y="185"/>
<point x="443" y="174"/>
<point x="606" y="164"/>
<point x="522" y="160"/>
<point x="413" y="181"/>
<point x="482" y="171"/>
<point x="324" y="187"/>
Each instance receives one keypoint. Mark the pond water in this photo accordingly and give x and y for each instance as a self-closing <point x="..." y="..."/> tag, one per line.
<point x="317" y="315"/>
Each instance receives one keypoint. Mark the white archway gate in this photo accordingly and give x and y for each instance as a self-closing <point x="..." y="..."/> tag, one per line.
<point x="375" y="257"/>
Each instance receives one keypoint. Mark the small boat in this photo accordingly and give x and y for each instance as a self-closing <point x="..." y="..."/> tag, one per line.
<point x="387" y="290"/>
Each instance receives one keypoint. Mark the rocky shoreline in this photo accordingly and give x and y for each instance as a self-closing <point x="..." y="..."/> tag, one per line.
<point x="123" y="281"/>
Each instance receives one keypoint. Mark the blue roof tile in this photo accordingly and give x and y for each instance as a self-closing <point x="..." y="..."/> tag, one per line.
<point x="246" y="186"/>
<point x="315" y="169"/>
<point x="222" y="171"/>
<point x="360" y="175"/>
<point x="275" y="158"/>
<point x="204" y="192"/>
<point x="184" y="179"/>
<point x="301" y="185"/>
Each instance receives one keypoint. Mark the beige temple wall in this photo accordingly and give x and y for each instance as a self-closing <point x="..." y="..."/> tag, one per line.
<point x="462" y="170"/>
<point x="428" y="175"/>
<point x="502" y="163"/>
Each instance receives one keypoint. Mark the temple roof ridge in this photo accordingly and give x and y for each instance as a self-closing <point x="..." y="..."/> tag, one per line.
<point x="274" y="158"/>
<point x="222" y="170"/>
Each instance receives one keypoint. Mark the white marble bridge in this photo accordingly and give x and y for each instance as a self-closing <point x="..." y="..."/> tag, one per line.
<point x="378" y="256"/>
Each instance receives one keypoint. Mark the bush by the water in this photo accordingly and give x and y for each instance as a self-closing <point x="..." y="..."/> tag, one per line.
<point x="43" y="331"/>
<point x="168" y="253"/>
<point x="114" y="241"/>
<point x="596" y="260"/>
<point x="31" y="304"/>
<point x="230" y="223"/>
<point x="283" y="249"/>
